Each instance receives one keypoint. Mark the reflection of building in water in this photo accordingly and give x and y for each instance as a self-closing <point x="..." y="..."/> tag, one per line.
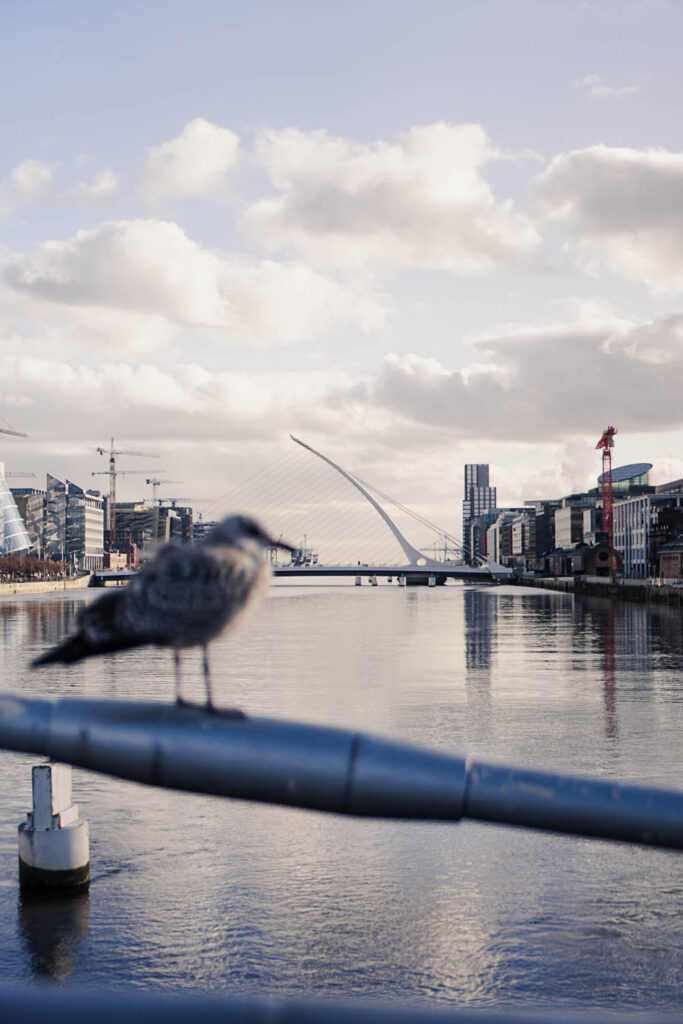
<point x="634" y="641"/>
<point x="52" y="928"/>
<point x="481" y="613"/>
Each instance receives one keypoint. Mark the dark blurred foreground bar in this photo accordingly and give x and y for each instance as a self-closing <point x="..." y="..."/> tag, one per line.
<point x="34" y="1005"/>
<point x="328" y="769"/>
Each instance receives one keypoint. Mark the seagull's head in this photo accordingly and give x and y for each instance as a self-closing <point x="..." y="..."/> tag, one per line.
<point x="245" y="533"/>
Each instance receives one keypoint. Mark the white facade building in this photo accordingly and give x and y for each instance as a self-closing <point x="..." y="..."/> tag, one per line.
<point x="633" y="522"/>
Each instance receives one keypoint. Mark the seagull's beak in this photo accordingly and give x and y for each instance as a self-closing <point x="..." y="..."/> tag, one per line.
<point x="282" y="544"/>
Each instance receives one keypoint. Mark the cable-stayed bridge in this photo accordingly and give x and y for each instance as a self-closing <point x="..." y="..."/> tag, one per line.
<point x="342" y="526"/>
<point x="356" y="535"/>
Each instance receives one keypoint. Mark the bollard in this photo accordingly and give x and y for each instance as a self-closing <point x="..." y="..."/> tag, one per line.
<point x="373" y="581"/>
<point x="401" y="581"/>
<point x="54" y="847"/>
<point x="359" y="581"/>
<point x="431" y="582"/>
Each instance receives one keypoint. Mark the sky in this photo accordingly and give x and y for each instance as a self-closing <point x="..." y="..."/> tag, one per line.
<point x="414" y="234"/>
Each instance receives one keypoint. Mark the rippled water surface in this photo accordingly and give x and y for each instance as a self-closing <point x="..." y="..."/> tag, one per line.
<point x="197" y="893"/>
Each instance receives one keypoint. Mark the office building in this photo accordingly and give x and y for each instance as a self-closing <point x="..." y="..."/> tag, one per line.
<point x="642" y="525"/>
<point x="64" y="523"/>
<point x="478" y="500"/>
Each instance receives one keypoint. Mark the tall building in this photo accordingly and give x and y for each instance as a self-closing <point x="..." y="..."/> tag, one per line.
<point x="478" y="499"/>
<point x="642" y="524"/>
<point x="143" y="524"/>
<point x="64" y="522"/>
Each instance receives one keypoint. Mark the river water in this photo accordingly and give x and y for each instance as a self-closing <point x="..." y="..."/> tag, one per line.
<point x="201" y="894"/>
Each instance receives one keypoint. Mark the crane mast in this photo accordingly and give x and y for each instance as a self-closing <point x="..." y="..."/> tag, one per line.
<point x="112" y="453"/>
<point x="606" y="442"/>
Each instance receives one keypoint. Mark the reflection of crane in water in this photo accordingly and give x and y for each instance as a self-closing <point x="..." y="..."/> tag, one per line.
<point x="609" y="668"/>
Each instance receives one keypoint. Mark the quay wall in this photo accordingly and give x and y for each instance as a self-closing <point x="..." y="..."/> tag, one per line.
<point x="44" y="586"/>
<point x="597" y="586"/>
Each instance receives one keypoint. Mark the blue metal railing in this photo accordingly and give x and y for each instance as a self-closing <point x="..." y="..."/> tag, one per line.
<point x="34" y="1005"/>
<point x="327" y="769"/>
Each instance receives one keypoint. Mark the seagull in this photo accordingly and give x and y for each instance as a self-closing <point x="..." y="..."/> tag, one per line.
<point x="184" y="597"/>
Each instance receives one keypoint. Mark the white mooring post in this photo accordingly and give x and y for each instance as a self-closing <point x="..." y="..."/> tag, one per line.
<point x="359" y="581"/>
<point x="373" y="581"/>
<point x="54" y="848"/>
<point x="401" y="581"/>
<point x="431" y="582"/>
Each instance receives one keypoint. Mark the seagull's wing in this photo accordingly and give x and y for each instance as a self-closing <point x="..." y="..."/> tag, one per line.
<point x="184" y="596"/>
<point x="98" y="633"/>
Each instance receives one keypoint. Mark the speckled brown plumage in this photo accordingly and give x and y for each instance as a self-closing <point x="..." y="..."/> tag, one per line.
<point x="185" y="597"/>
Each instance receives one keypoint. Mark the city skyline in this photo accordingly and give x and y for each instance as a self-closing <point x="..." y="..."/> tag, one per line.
<point x="418" y="236"/>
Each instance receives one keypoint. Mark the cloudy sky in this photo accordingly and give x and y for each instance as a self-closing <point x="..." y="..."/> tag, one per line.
<point x="415" y="234"/>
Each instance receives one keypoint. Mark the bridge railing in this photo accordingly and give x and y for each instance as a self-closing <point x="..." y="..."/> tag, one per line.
<point x="36" y="1005"/>
<point x="325" y="769"/>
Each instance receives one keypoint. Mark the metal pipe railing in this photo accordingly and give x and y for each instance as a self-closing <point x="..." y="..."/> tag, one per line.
<point x="35" y="1005"/>
<point x="327" y="769"/>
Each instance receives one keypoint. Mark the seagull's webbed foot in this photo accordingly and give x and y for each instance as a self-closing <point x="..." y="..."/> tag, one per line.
<point x="233" y="713"/>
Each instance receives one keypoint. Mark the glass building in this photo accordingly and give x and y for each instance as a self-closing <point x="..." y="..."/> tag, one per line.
<point x="13" y="535"/>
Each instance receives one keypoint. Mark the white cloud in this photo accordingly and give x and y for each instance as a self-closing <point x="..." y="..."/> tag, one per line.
<point x="596" y="87"/>
<point x="31" y="179"/>
<point x="420" y="202"/>
<point x="28" y="182"/>
<point x="186" y="402"/>
<point x="151" y="267"/>
<point x="625" y="205"/>
<point x="195" y="163"/>
<point x="100" y="190"/>
<point x="544" y="383"/>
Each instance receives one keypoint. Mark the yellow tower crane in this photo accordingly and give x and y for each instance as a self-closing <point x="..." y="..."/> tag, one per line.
<point x="113" y="453"/>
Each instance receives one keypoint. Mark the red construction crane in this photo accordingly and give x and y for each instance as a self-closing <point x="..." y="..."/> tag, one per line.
<point x="606" y="442"/>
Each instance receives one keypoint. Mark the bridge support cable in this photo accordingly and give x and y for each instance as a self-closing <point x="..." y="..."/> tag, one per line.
<point x="414" y="556"/>
<point x="453" y="543"/>
<point x="296" y="496"/>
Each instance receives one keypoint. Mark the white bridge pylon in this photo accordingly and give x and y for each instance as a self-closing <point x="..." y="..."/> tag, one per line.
<point x="415" y="557"/>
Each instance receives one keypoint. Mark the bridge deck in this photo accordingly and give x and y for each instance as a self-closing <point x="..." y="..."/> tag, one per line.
<point x="102" y="577"/>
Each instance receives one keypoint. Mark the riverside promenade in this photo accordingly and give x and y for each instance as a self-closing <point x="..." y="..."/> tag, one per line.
<point x="44" y="586"/>
<point x="645" y="591"/>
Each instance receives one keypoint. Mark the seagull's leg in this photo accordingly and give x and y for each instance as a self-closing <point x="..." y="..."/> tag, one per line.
<point x="176" y="666"/>
<point x="210" y="706"/>
<point x="207" y="677"/>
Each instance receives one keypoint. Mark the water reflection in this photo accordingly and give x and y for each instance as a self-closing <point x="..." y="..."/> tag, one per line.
<point x="481" y="614"/>
<point x="52" y="928"/>
<point x="197" y="893"/>
<point x="610" y="690"/>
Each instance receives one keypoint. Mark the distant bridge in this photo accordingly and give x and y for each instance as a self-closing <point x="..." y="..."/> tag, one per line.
<point x="439" y="572"/>
<point x="419" y="568"/>
<point x="412" y="574"/>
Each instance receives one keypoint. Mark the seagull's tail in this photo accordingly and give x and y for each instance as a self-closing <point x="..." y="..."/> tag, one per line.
<point x="71" y="650"/>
